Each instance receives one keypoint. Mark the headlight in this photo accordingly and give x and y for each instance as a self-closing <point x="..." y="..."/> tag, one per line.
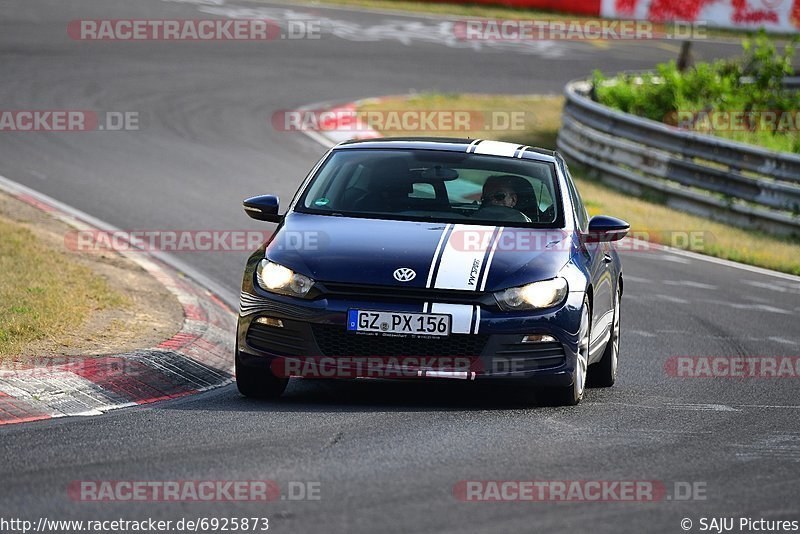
<point x="534" y="296"/>
<point x="279" y="279"/>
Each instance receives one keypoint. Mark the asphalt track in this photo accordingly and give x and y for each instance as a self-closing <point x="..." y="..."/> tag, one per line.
<point x="387" y="455"/>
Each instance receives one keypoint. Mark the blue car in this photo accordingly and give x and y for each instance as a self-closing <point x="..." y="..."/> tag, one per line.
<point x="433" y="258"/>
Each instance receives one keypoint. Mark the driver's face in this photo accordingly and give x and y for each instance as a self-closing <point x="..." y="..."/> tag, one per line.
<point x="500" y="196"/>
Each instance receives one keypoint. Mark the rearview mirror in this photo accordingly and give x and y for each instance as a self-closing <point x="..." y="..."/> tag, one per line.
<point x="263" y="208"/>
<point x="437" y="172"/>
<point x="605" y="228"/>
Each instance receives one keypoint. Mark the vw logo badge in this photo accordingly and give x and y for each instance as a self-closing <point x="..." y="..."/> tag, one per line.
<point x="404" y="274"/>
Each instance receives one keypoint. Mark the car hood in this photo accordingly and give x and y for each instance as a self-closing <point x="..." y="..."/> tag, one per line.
<point x="442" y="256"/>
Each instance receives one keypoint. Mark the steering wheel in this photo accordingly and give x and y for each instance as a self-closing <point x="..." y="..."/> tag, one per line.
<point x="501" y="213"/>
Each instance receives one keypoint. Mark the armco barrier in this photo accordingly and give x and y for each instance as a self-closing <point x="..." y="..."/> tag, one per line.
<point x="732" y="182"/>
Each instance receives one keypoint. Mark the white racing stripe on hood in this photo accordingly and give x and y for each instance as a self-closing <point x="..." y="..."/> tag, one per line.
<point x="437" y="253"/>
<point x="463" y="258"/>
<point x="490" y="258"/>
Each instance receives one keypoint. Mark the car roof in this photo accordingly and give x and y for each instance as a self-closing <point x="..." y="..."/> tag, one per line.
<point x="453" y="144"/>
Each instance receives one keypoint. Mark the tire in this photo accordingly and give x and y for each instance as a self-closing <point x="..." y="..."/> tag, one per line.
<point x="572" y="394"/>
<point x="258" y="381"/>
<point x="603" y="374"/>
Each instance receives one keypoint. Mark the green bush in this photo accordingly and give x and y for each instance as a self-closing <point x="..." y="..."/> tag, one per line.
<point x="746" y="85"/>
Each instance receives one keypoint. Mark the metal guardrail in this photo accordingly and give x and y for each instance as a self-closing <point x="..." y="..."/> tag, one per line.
<point x="736" y="183"/>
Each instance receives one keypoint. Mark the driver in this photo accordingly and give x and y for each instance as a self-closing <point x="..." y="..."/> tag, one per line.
<point x="498" y="190"/>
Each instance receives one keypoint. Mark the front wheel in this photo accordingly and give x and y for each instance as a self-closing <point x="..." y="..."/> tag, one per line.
<point x="257" y="381"/>
<point x="603" y="374"/>
<point x="572" y="394"/>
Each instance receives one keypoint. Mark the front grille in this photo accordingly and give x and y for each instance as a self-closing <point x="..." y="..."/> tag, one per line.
<point x="335" y="341"/>
<point x="276" y="340"/>
<point x="529" y="356"/>
<point x="403" y="293"/>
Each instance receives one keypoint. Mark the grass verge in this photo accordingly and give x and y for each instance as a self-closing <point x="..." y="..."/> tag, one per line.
<point x="542" y="119"/>
<point x="44" y="294"/>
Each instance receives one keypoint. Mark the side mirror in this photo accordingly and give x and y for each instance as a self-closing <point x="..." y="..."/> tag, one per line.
<point x="263" y="208"/>
<point x="605" y="228"/>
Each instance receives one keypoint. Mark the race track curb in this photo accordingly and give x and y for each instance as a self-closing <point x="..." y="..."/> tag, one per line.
<point x="337" y="122"/>
<point x="197" y="358"/>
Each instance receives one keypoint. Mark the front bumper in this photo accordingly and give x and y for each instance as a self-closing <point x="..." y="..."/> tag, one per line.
<point x="316" y="330"/>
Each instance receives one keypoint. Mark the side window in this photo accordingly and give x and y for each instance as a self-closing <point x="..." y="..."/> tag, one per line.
<point x="580" y="209"/>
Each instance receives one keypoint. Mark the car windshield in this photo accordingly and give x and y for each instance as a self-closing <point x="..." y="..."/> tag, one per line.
<point x="435" y="186"/>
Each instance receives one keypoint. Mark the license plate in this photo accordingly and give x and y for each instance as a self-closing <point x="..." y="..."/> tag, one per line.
<point x="427" y="324"/>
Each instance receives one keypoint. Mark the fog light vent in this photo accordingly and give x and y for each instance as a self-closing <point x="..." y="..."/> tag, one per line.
<point x="538" y="338"/>
<point x="270" y="321"/>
